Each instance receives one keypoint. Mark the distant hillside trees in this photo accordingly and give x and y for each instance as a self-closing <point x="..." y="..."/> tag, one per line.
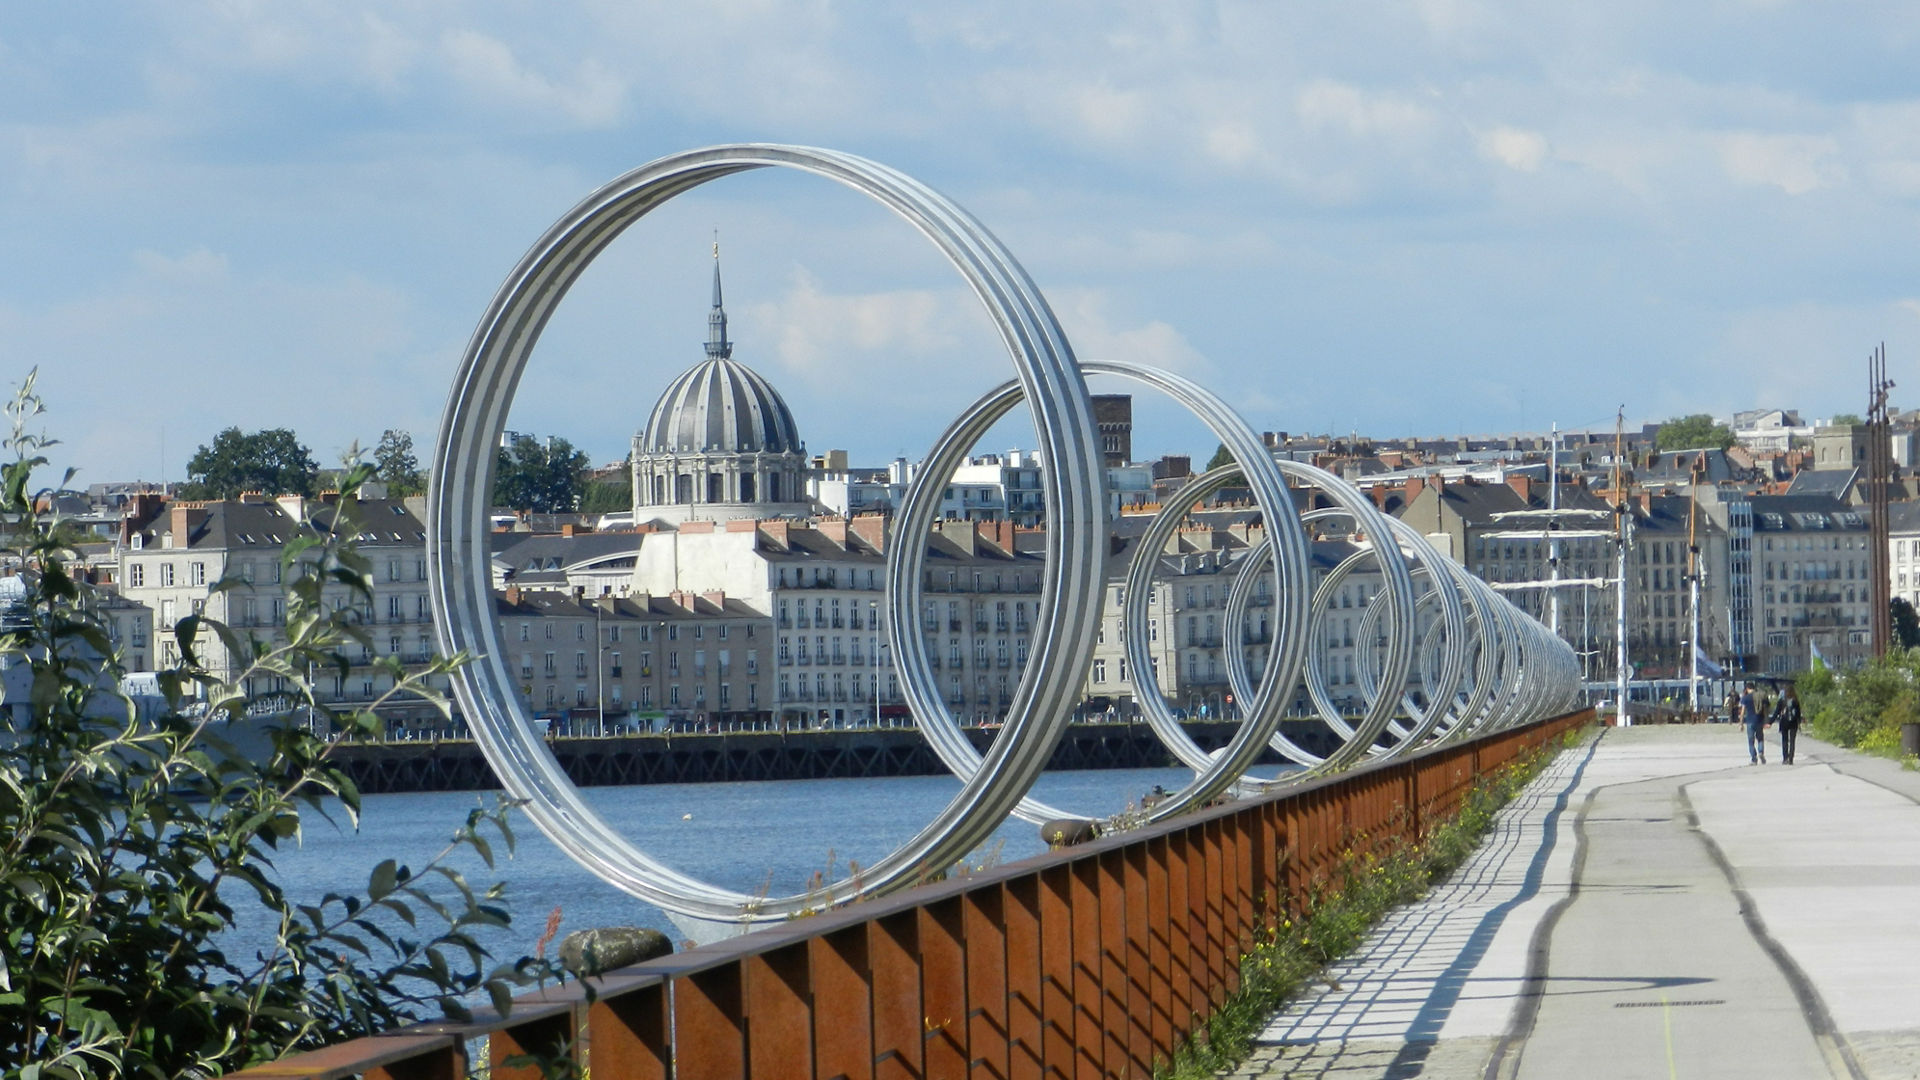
<point x="1695" y="432"/>
<point x="271" y="461"/>
<point x="546" y="478"/>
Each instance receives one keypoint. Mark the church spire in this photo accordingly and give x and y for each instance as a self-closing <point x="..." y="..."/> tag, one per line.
<point x="718" y="347"/>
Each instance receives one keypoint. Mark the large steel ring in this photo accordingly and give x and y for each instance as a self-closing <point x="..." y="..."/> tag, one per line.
<point x="918" y="508"/>
<point x="460" y="486"/>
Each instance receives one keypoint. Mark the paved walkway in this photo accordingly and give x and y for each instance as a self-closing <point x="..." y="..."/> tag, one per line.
<point x="1652" y="906"/>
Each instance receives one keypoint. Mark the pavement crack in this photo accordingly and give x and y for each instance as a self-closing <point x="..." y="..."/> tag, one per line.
<point x="1839" y="1054"/>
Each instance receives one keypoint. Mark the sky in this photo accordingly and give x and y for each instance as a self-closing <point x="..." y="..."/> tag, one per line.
<point x="1431" y="218"/>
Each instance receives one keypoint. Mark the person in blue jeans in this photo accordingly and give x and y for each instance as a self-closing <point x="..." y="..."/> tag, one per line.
<point x="1756" y="723"/>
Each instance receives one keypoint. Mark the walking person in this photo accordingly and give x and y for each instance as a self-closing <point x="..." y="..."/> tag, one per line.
<point x="1788" y="716"/>
<point x="1733" y="706"/>
<point x="1755" y="724"/>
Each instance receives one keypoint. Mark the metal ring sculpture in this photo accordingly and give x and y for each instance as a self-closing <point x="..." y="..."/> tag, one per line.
<point x="1518" y="670"/>
<point x="461" y="482"/>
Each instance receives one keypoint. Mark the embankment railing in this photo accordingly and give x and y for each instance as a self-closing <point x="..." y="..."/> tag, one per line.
<point x="1092" y="961"/>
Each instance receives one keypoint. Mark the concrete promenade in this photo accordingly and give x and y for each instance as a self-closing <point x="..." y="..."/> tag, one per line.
<point x="1652" y="906"/>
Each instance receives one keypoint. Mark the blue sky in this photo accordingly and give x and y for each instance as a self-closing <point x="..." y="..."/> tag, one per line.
<point x="1428" y="218"/>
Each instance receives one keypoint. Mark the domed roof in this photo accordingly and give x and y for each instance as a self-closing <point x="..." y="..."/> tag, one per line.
<point x="721" y="406"/>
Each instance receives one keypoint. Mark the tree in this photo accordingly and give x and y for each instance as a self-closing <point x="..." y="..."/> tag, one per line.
<point x="270" y="461"/>
<point x="607" y="497"/>
<point x="546" y="479"/>
<point x="395" y="465"/>
<point x="1847" y="419"/>
<point x="1906" y="623"/>
<point x="130" y="848"/>
<point x="1221" y="456"/>
<point x="1695" y="432"/>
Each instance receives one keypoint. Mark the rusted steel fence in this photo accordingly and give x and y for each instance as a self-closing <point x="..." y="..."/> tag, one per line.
<point x="1094" y="961"/>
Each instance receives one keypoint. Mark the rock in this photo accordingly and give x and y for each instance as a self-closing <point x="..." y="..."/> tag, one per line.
<point x="594" y="952"/>
<point x="1063" y="832"/>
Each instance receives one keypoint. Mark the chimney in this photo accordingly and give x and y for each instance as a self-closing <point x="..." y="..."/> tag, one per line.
<point x="872" y="528"/>
<point x="998" y="533"/>
<point x="742" y="525"/>
<point x="1415" y="485"/>
<point x="694" y="528"/>
<point x="566" y="530"/>
<point x="1521" y="485"/>
<point x="186" y="518"/>
<point x="513" y="596"/>
<point x="775" y="534"/>
<point x="834" y="529"/>
<point x="961" y="534"/>
<point x="716" y="597"/>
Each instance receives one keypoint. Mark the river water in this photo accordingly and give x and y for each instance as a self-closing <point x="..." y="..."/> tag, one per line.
<point x="766" y="837"/>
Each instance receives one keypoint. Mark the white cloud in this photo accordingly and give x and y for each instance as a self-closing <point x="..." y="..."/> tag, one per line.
<point x="1796" y="164"/>
<point x="823" y="335"/>
<point x="593" y="98"/>
<point x="1086" y="315"/>
<point x="1325" y="104"/>
<point x="1514" y="148"/>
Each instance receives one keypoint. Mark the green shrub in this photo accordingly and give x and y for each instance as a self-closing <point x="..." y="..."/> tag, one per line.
<point x="1863" y="708"/>
<point x="129" y="848"/>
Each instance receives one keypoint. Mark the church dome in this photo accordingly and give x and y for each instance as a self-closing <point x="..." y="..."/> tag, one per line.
<point x="721" y="406"/>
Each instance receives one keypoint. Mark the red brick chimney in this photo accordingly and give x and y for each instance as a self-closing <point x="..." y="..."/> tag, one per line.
<point x="1521" y="485"/>
<point x="513" y="596"/>
<point x="186" y="518"/>
<point x="834" y="529"/>
<point x="872" y="528"/>
<point x="1415" y="485"/>
<point x="775" y="534"/>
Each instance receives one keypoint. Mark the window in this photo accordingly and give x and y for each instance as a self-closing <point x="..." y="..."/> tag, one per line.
<point x="196" y="573"/>
<point x="166" y="575"/>
<point x="1099" y="671"/>
<point x="137" y="576"/>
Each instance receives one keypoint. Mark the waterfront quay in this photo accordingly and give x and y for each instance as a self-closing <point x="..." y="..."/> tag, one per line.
<point x="764" y="752"/>
<point x="1652" y="906"/>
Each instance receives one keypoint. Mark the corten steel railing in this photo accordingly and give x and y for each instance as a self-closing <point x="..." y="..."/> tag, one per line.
<point x="1093" y="961"/>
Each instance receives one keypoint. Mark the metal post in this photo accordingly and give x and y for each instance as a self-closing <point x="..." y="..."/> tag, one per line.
<point x="1621" y="717"/>
<point x="1693" y="580"/>
<point x="1553" y="545"/>
<point x="1879" y="475"/>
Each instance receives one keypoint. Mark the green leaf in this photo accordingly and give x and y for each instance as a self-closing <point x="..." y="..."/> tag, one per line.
<point x="383" y="879"/>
